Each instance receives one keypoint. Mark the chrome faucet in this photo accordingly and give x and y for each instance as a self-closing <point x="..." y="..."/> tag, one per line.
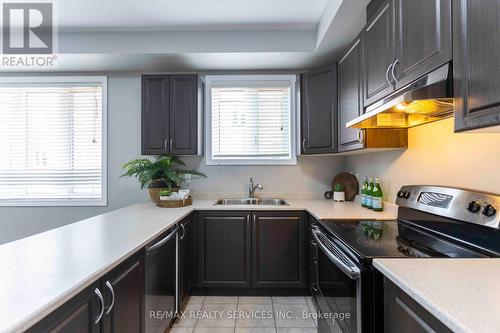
<point x="252" y="188"/>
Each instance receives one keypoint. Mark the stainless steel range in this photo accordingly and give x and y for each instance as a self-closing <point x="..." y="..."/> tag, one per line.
<point x="432" y="221"/>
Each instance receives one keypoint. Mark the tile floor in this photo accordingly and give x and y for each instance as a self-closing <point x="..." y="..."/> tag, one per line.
<point x="247" y="314"/>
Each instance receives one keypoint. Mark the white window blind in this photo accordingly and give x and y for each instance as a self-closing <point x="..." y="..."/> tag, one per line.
<point x="251" y="122"/>
<point x="51" y="143"/>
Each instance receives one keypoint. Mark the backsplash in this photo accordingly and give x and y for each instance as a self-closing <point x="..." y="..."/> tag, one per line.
<point x="435" y="156"/>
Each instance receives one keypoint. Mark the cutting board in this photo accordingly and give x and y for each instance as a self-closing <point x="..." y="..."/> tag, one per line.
<point x="350" y="183"/>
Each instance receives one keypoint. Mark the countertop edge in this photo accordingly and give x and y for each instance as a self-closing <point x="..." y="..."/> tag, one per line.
<point x="442" y="315"/>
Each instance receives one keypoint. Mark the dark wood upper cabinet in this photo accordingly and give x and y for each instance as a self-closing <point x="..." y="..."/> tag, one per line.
<point x="404" y="314"/>
<point x="75" y="316"/>
<point x="319" y="111"/>
<point x="169" y="119"/>
<point x="224" y="249"/>
<point x="476" y="50"/>
<point x="183" y="114"/>
<point x="423" y="38"/>
<point x="404" y="40"/>
<point x="155" y="114"/>
<point x="127" y="283"/>
<point x="350" y="96"/>
<point x="378" y="55"/>
<point x="279" y="246"/>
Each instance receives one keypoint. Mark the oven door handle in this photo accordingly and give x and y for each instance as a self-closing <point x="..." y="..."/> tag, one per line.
<point x="352" y="271"/>
<point x="162" y="242"/>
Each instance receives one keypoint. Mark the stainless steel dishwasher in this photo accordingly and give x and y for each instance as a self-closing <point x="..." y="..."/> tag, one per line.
<point x="162" y="281"/>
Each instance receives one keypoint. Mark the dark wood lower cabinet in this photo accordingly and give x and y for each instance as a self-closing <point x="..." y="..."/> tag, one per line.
<point x="224" y="249"/>
<point x="75" y="316"/>
<point x="278" y="250"/>
<point x="127" y="283"/>
<point x="80" y="313"/>
<point x="244" y="252"/>
<point x="404" y="314"/>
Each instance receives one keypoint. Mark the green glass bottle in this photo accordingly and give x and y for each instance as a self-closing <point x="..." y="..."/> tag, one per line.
<point x="377" y="202"/>
<point x="369" y="194"/>
<point x="363" y="192"/>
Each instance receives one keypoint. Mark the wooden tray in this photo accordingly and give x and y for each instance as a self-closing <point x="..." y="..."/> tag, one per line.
<point x="175" y="203"/>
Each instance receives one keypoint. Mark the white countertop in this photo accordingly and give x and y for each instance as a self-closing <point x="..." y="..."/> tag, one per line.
<point x="464" y="294"/>
<point x="41" y="272"/>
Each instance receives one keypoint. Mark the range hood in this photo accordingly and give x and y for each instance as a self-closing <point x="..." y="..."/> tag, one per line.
<point x="428" y="99"/>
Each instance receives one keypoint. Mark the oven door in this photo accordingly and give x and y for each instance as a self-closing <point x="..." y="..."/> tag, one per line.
<point x="336" y="282"/>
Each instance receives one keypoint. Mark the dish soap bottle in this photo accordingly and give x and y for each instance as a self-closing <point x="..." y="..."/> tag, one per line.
<point x="377" y="202"/>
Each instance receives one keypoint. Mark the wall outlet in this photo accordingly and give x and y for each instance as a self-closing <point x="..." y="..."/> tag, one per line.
<point x="187" y="178"/>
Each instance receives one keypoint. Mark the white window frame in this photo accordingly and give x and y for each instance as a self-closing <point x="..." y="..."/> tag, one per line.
<point x="62" y="80"/>
<point x="211" y="80"/>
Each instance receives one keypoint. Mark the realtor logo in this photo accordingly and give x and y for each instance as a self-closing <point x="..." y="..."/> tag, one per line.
<point x="28" y="28"/>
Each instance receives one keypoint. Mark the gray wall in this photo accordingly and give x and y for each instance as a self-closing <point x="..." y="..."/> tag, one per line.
<point x="311" y="176"/>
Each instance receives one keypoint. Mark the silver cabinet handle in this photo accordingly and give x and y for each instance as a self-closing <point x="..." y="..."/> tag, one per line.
<point x="110" y="287"/>
<point x="359" y="136"/>
<point x="165" y="145"/>
<point x="183" y="231"/>
<point x="393" y="70"/>
<point x="304" y="145"/>
<point x="101" y="299"/>
<point x="387" y="75"/>
<point x="171" y="145"/>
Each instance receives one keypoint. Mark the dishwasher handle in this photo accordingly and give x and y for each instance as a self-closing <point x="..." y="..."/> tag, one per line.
<point x="162" y="242"/>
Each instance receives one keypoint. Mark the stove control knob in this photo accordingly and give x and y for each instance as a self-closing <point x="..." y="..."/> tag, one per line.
<point x="407" y="195"/>
<point x="489" y="211"/>
<point x="401" y="194"/>
<point x="474" y="207"/>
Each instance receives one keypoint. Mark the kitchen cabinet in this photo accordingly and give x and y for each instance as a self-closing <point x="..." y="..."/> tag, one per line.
<point x="404" y="314"/>
<point x="224" y="249"/>
<point x="279" y="250"/>
<point x="423" y="38"/>
<point x="185" y="259"/>
<point x="78" y="315"/>
<point x="124" y="296"/>
<point x="319" y="111"/>
<point x="476" y="50"/>
<point x="121" y="309"/>
<point x="404" y="40"/>
<point x="378" y="45"/>
<point x="350" y="96"/>
<point x="169" y="118"/>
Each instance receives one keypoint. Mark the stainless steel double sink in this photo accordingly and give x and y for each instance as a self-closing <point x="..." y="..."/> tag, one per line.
<point x="251" y="201"/>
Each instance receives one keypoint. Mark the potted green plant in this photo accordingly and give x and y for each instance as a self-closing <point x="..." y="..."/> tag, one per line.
<point x="338" y="193"/>
<point x="162" y="173"/>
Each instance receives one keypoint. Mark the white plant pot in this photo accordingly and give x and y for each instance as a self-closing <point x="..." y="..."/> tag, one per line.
<point x="339" y="196"/>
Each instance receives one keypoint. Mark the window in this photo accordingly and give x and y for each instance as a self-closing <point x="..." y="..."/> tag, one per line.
<point x="250" y="119"/>
<point x="53" y="141"/>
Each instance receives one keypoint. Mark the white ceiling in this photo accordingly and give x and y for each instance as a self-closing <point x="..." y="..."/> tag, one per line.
<point x="203" y="35"/>
<point x="190" y="15"/>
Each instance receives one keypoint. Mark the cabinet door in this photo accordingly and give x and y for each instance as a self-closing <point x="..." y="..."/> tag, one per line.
<point x="279" y="246"/>
<point x="155" y="114"/>
<point x="476" y="50"/>
<point x="403" y="314"/>
<point x="78" y="315"/>
<point x="224" y="249"/>
<point x="186" y="259"/>
<point x="378" y="55"/>
<point x="127" y="285"/>
<point x="423" y="38"/>
<point x="319" y="111"/>
<point x="350" y="96"/>
<point x="183" y="115"/>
